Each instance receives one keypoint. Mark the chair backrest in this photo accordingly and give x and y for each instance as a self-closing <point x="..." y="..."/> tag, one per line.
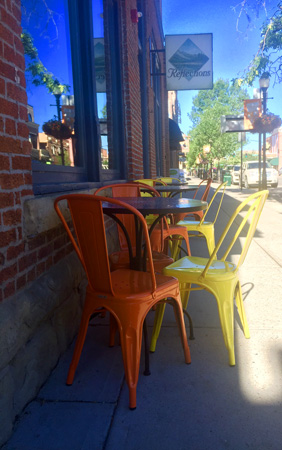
<point x="168" y="180"/>
<point x="89" y="240"/>
<point x="219" y="190"/>
<point x="247" y="221"/>
<point x="127" y="190"/>
<point x="204" y="197"/>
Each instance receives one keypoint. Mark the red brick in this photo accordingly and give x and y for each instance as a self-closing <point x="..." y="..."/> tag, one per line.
<point x="16" y="93"/>
<point x="18" y="44"/>
<point x="60" y="242"/>
<point x="12" y="217"/>
<point x="10" y="145"/>
<point x="21" y="281"/>
<point x="8" y="273"/>
<point x="7" y="237"/>
<point x="4" y="162"/>
<point x="27" y="261"/>
<point x="17" y="198"/>
<point x="31" y="275"/>
<point x="40" y="268"/>
<point x="14" y="251"/>
<point x="23" y="113"/>
<point x="9" y="20"/>
<point x="6" y="199"/>
<point x="26" y="148"/>
<point x="7" y="70"/>
<point x="49" y="262"/>
<point x="11" y="181"/>
<point x="21" y="163"/>
<point x="8" y="108"/>
<point x="36" y="242"/>
<point x="20" y="233"/>
<point x="10" y="127"/>
<point x="23" y="130"/>
<point x="44" y="252"/>
<point x="2" y="87"/>
<point x="6" y="34"/>
<point x="2" y="260"/>
<point x="1" y="124"/>
<point x="27" y="178"/>
<point x="16" y="12"/>
<point x="27" y="193"/>
<point x="9" y="53"/>
<point x="9" y="289"/>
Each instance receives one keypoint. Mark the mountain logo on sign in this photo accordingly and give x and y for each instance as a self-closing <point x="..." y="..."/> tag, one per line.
<point x="188" y="59"/>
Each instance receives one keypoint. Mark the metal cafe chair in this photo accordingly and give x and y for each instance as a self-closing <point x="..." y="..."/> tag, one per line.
<point x="197" y="214"/>
<point x="219" y="276"/>
<point x="204" y="228"/>
<point x="120" y="259"/>
<point x="127" y="294"/>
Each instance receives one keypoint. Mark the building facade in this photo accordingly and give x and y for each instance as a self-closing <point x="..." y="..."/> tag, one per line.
<point x="96" y="70"/>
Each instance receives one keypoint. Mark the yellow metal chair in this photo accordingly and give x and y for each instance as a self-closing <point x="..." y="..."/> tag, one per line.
<point x="150" y="218"/>
<point x="204" y="228"/>
<point x="219" y="277"/>
<point x="168" y="180"/>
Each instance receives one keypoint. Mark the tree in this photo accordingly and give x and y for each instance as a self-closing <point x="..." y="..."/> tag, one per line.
<point x="40" y="75"/>
<point x="208" y="107"/>
<point x="269" y="55"/>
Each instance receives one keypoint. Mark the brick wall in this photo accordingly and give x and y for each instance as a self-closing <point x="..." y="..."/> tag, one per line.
<point x="22" y="258"/>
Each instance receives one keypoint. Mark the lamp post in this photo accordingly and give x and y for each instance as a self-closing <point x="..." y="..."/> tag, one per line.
<point x="264" y="84"/>
<point x="57" y="94"/>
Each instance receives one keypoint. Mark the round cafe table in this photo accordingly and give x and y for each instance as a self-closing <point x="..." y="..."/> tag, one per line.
<point x="174" y="189"/>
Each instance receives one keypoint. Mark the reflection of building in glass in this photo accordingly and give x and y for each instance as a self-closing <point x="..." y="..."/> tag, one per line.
<point x="52" y="146"/>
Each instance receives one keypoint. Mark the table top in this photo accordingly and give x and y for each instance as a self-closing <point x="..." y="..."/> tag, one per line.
<point x="156" y="205"/>
<point x="176" y="188"/>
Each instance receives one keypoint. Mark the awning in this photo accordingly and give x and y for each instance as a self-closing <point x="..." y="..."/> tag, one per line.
<point x="175" y="134"/>
<point x="274" y="161"/>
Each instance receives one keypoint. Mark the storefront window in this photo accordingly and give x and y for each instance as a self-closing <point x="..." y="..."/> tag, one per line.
<point x="108" y="91"/>
<point x="51" y="119"/>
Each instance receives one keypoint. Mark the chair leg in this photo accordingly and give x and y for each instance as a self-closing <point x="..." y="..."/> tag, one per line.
<point x="185" y="293"/>
<point x="131" y="342"/>
<point x="157" y="325"/>
<point x="225" y="303"/>
<point x="241" y="310"/>
<point x="86" y="314"/>
<point x="177" y="307"/>
<point x="113" y="330"/>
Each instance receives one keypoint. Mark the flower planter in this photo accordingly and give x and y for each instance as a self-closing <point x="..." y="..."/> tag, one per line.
<point x="266" y="123"/>
<point x="57" y="129"/>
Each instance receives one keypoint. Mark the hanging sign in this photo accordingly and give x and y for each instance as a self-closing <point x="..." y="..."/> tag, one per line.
<point x="252" y="110"/>
<point x="189" y="62"/>
<point x="99" y="55"/>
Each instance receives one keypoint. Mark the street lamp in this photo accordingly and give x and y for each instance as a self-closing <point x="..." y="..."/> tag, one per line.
<point x="264" y="84"/>
<point x="57" y="91"/>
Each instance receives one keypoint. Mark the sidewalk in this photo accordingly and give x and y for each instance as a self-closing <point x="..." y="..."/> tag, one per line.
<point x="207" y="405"/>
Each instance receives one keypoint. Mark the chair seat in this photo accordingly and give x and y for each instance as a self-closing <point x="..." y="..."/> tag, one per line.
<point x="193" y="267"/>
<point x="120" y="260"/>
<point x="131" y="283"/>
<point x="193" y="224"/>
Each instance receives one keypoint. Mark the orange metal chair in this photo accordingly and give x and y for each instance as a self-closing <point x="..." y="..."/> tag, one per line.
<point x="197" y="214"/>
<point x="120" y="259"/>
<point x="127" y="294"/>
<point x="164" y="232"/>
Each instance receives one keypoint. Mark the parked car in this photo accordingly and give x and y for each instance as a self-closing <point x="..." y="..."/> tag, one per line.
<point x="280" y="171"/>
<point x="250" y="174"/>
<point x="235" y="174"/>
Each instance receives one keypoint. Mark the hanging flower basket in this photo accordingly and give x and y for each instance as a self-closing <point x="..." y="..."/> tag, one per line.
<point x="57" y="129"/>
<point x="266" y="123"/>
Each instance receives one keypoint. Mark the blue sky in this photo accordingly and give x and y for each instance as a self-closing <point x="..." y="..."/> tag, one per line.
<point x="232" y="50"/>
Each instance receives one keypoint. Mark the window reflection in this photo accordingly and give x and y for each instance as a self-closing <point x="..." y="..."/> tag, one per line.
<point x="51" y="120"/>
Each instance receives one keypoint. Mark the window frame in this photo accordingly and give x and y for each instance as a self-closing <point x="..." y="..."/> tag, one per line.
<point x="88" y="173"/>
